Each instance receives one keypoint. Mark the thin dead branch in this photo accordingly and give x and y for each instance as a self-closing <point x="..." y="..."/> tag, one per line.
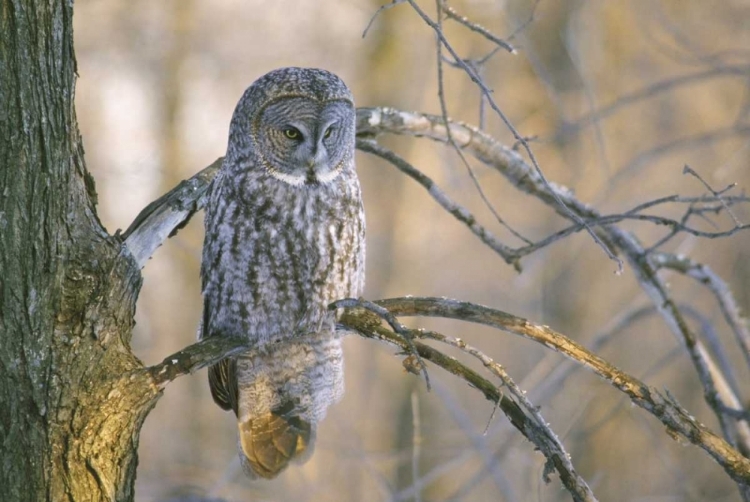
<point x="487" y="93"/>
<point x="368" y="324"/>
<point x="663" y="407"/>
<point x="706" y="276"/>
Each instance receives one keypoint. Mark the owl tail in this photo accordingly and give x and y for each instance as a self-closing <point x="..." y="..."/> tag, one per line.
<point x="271" y="441"/>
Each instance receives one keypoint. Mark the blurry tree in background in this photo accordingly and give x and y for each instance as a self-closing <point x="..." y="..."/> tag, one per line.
<point x="640" y="108"/>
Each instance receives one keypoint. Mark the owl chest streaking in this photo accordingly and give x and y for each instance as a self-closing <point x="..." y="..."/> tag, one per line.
<point x="284" y="238"/>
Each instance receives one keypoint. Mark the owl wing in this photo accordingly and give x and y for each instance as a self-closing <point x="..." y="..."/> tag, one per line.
<point x="222" y="376"/>
<point x="222" y="379"/>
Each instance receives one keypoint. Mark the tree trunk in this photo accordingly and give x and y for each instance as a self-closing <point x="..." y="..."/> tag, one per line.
<point x="73" y="395"/>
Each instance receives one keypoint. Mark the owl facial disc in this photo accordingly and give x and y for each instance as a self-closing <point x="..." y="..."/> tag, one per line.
<point x="304" y="141"/>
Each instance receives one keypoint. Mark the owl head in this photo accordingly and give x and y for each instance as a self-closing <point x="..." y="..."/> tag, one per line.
<point x="296" y="125"/>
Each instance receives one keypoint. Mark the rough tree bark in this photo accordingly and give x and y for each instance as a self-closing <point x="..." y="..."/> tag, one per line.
<point x="72" y="397"/>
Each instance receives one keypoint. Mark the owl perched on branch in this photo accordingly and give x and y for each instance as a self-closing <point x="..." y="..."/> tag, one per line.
<point x="285" y="236"/>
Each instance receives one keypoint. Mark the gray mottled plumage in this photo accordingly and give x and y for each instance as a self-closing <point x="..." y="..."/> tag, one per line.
<point x="285" y="234"/>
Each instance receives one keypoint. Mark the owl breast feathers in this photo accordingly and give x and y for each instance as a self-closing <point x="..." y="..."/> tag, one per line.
<point x="285" y="234"/>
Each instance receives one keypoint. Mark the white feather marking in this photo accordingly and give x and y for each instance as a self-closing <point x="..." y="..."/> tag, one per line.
<point x="329" y="176"/>
<point x="289" y="179"/>
<point x="299" y="180"/>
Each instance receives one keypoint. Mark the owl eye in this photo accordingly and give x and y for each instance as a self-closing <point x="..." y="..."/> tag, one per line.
<point x="328" y="132"/>
<point x="292" y="133"/>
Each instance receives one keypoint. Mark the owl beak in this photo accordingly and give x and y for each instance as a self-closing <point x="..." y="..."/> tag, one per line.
<point x="316" y="162"/>
<point x="317" y="156"/>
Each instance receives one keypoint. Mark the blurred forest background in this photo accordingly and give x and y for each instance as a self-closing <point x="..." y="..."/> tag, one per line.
<point x="158" y="84"/>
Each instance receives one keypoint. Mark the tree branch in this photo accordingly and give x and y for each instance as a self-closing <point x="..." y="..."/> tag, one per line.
<point x="196" y="356"/>
<point x="458" y="211"/>
<point x="366" y="323"/>
<point x="531" y="425"/>
<point x="665" y="408"/>
<point x="526" y="178"/>
<point x="704" y="275"/>
<point x="165" y="216"/>
<point x="521" y="140"/>
<point x="451" y="13"/>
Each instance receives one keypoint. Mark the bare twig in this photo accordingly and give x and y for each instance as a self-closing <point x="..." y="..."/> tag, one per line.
<point x="378" y="12"/>
<point x="707" y="332"/>
<point x="526" y="178"/>
<point x="518" y="137"/>
<point x="459" y="212"/>
<point x="451" y="13"/>
<point x="706" y="276"/>
<point x="549" y="438"/>
<point x="526" y="23"/>
<point x="688" y="170"/>
<point x="546" y="380"/>
<point x="717" y="392"/>
<point x="444" y="111"/>
<point x="675" y="228"/>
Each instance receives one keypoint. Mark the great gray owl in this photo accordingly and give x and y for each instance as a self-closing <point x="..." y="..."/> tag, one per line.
<point x="285" y="236"/>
